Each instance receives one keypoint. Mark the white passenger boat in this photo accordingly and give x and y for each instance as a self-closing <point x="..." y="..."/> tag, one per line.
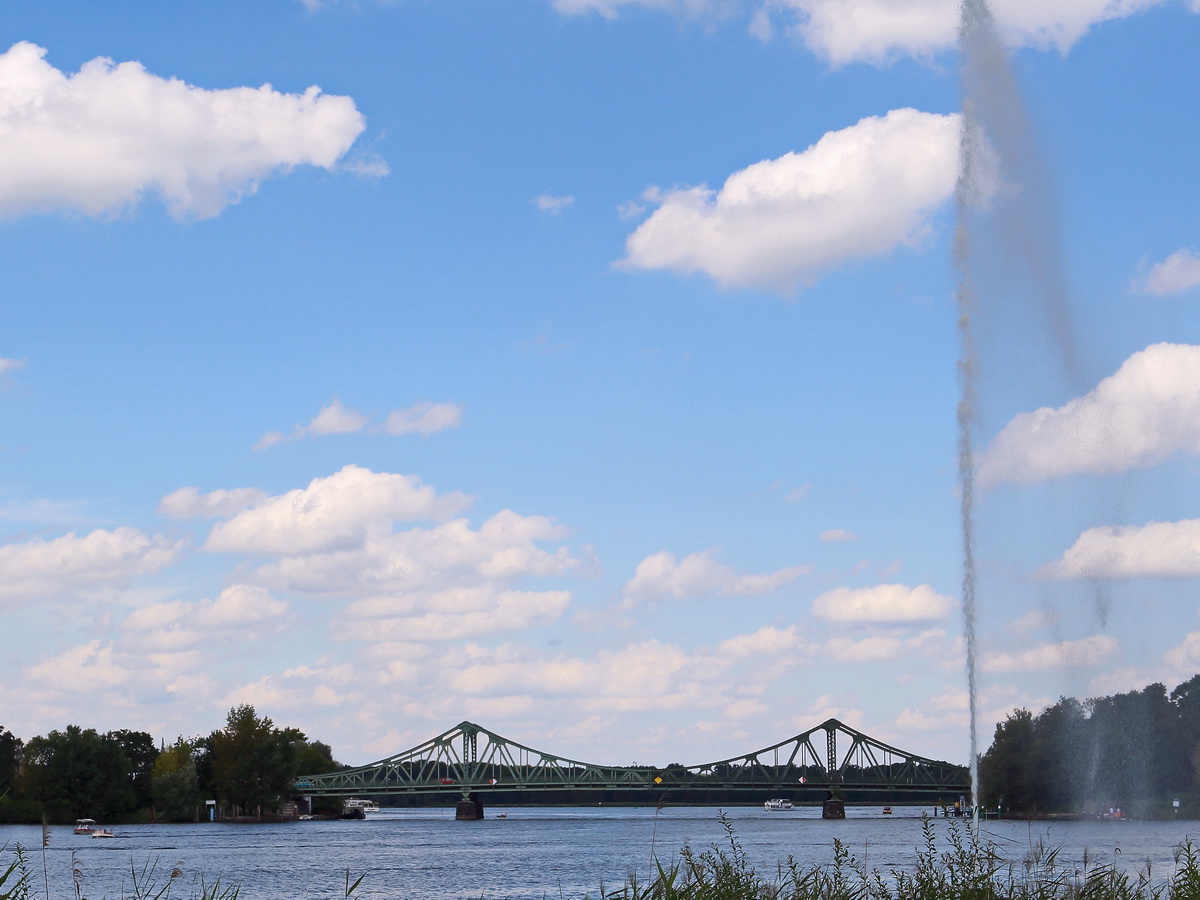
<point x="85" y="826"/>
<point x="778" y="805"/>
<point x="350" y="804"/>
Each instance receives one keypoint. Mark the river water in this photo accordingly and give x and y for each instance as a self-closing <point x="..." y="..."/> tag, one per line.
<point x="532" y="852"/>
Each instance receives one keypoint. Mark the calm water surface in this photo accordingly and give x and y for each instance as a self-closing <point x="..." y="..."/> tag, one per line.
<point x="534" y="852"/>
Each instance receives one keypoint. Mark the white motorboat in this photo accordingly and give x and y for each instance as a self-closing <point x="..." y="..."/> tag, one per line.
<point x="778" y="805"/>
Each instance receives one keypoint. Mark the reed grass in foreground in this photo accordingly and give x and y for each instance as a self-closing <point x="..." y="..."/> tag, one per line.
<point x="968" y="870"/>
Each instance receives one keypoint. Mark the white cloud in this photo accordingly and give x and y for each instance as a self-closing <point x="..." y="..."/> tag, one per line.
<point x="699" y="575"/>
<point x="882" y="604"/>
<point x="398" y="570"/>
<point x="1086" y="652"/>
<point x="236" y="614"/>
<point x="1145" y="412"/>
<point x="509" y="611"/>
<point x="332" y="419"/>
<point x="550" y="204"/>
<point x="1178" y="272"/>
<point x="879" y="647"/>
<point x="423" y="419"/>
<point x="765" y="643"/>
<point x="836" y="535"/>
<point x="10" y="365"/>
<point x="97" y="141"/>
<point x="71" y="563"/>
<point x="334" y="512"/>
<point x="846" y="31"/>
<point x="640" y="677"/>
<point x="775" y="225"/>
<point x="189" y="503"/>
<point x="1155" y="550"/>
<point x="86" y="668"/>
<point x="1184" y="657"/>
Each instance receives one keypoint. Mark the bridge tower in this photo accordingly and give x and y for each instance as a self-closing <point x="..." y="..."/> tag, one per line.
<point x="470" y="807"/>
<point x="833" y="807"/>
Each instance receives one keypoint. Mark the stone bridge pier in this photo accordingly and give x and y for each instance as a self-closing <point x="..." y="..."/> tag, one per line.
<point x="469" y="808"/>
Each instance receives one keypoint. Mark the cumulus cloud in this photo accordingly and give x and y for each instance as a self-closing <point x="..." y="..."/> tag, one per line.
<point x="882" y="604"/>
<point x="837" y="535"/>
<point x="1178" y="272"/>
<point x="81" y="669"/>
<point x="768" y="641"/>
<point x="398" y="571"/>
<point x="71" y="563"/>
<point x="98" y="140"/>
<point x="876" y="31"/>
<point x="845" y="31"/>
<point x="339" y="538"/>
<point x="641" y="677"/>
<point x="1086" y="652"/>
<point x="423" y="419"/>
<point x="775" y="225"/>
<point x="1156" y="550"/>
<point x="661" y="576"/>
<point x="1184" y="657"/>
<point x="548" y="203"/>
<point x="236" y="614"/>
<point x="334" y="512"/>
<point x="505" y="611"/>
<point x="189" y="503"/>
<point x="1145" y="412"/>
<point x="878" y="647"/>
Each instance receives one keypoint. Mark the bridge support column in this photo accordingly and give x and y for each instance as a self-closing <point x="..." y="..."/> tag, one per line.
<point x="469" y="808"/>
<point x="833" y="809"/>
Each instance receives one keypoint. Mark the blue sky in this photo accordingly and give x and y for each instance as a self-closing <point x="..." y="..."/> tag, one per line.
<point x="585" y="369"/>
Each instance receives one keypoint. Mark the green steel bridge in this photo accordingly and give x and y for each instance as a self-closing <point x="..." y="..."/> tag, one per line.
<point x="830" y="759"/>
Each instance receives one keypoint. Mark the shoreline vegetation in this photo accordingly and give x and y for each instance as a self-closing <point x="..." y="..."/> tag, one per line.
<point x="967" y="869"/>
<point x="1134" y="755"/>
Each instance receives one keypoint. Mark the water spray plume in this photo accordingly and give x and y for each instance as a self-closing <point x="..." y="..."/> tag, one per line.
<point x="974" y="17"/>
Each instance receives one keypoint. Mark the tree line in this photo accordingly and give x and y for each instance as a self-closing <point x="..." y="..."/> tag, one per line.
<point x="248" y="766"/>
<point x="1135" y="752"/>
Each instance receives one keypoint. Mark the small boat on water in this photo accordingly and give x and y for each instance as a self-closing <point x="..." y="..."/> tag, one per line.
<point x="350" y="804"/>
<point x="85" y="826"/>
<point x="778" y="805"/>
<point x="887" y="810"/>
<point x="102" y="833"/>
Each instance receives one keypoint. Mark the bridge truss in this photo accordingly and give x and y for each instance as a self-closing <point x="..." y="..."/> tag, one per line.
<point x="832" y="757"/>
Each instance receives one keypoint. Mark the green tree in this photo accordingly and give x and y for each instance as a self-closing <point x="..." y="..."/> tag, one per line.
<point x="10" y="761"/>
<point x="139" y="750"/>
<point x="312" y="757"/>
<point x="1059" y="757"/>
<point x="1140" y="747"/>
<point x="75" y="773"/>
<point x="1005" y="769"/>
<point x="175" y="782"/>
<point x="253" y="763"/>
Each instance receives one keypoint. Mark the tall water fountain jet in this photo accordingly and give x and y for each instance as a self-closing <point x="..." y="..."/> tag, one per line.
<point x="1009" y="274"/>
